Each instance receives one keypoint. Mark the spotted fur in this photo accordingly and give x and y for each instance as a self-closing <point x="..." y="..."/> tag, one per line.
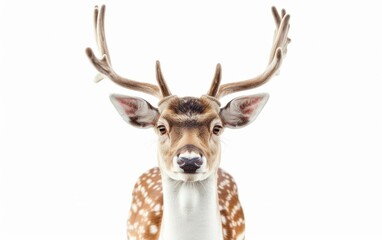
<point x="147" y="207"/>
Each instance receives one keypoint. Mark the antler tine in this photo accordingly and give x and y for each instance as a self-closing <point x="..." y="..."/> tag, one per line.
<point x="280" y="38"/>
<point x="103" y="65"/>
<point x="278" y="52"/>
<point x="162" y="83"/>
<point x="99" y="25"/>
<point x="215" y="82"/>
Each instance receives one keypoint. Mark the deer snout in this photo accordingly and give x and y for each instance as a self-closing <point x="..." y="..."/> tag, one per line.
<point x="190" y="165"/>
<point x="189" y="159"/>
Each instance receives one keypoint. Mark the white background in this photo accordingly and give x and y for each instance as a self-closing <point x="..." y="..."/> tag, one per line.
<point x="308" y="168"/>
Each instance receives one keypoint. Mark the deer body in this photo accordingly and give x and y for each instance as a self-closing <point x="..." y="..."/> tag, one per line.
<point x="184" y="203"/>
<point x="188" y="197"/>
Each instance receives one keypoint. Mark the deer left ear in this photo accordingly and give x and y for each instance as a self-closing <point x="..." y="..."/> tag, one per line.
<point x="242" y="111"/>
<point x="136" y="111"/>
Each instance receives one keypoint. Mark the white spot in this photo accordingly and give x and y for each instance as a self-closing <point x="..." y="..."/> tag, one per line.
<point x="229" y="197"/>
<point x="148" y="200"/>
<point x="224" y="220"/>
<point x="240" y="237"/>
<point x="134" y="207"/>
<point x="153" y="229"/>
<point x="157" y="208"/>
<point x="141" y="212"/>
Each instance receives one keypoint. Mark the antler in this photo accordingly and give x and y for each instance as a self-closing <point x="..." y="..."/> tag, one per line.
<point x="278" y="52"/>
<point x="103" y="65"/>
<point x="216" y="81"/>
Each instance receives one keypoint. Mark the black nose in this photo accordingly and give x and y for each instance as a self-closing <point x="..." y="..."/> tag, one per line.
<point x="190" y="165"/>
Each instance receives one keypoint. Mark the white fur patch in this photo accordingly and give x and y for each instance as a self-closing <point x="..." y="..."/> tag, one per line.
<point x="190" y="206"/>
<point x="157" y="208"/>
<point x="240" y="237"/>
<point x="153" y="229"/>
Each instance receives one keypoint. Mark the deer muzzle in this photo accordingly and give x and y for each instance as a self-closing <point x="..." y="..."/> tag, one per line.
<point x="189" y="158"/>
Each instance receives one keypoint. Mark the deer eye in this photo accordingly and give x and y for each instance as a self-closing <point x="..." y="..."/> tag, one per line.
<point x="217" y="129"/>
<point x="162" y="129"/>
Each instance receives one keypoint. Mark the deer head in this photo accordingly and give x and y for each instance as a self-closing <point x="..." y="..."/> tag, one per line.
<point x="189" y="128"/>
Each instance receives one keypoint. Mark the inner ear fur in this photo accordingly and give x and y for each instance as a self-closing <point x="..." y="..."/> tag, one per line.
<point x="135" y="111"/>
<point x="241" y="111"/>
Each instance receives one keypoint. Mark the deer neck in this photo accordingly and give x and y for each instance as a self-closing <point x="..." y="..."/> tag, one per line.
<point x="190" y="210"/>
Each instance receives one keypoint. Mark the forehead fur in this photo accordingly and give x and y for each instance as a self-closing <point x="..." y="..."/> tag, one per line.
<point x="190" y="108"/>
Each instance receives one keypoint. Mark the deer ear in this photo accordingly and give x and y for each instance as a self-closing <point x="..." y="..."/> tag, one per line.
<point x="136" y="111"/>
<point x="241" y="111"/>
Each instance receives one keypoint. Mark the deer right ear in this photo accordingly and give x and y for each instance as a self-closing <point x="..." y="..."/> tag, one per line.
<point x="241" y="111"/>
<point x="136" y="111"/>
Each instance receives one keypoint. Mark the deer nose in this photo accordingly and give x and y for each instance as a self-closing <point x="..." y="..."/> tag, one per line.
<point x="189" y="164"/>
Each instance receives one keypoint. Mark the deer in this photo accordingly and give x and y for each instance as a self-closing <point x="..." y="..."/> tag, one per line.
<point x="188" y="196"/>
